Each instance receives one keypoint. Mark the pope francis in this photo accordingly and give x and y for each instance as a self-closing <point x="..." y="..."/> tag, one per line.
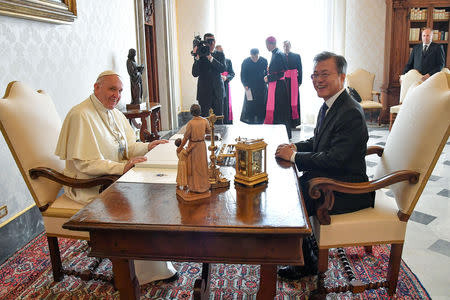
<point x="96" y="139"/>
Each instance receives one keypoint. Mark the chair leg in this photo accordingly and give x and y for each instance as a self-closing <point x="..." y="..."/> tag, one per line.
<point x="392" y="117"/>
<point x="55" y="258"/>
<point x="394" y="267"/>
<point x="368" y="249"/>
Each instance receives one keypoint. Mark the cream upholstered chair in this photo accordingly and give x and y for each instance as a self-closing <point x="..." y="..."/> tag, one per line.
<point x="30" y="125"/>
<point x="362" y="82"/>
<point x="407" y="161"/>
<point x="409" y="80"/>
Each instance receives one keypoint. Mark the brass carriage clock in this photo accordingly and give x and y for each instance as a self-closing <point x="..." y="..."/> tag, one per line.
<point x="250" y="161"/>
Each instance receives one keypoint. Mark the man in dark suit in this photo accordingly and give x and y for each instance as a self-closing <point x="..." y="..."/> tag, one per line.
<point x="427" y="58"/>
<point x="208" y="69"/>
<point x="293" y="81"/>
<point x="337" y="149"/>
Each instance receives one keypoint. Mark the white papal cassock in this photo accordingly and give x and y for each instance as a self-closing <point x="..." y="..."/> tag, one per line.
<point x="96" y="141"/>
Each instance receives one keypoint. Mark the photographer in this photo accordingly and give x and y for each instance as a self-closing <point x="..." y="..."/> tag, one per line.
<point x="208" y="66"/>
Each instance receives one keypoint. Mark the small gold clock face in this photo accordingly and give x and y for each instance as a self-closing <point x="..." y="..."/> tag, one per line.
<point x="242" y="162"/>
<point x="256" y="162"/>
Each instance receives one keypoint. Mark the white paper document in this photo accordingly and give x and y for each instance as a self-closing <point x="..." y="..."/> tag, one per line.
<point x="249" y="95"/>
<point x="162" y="156"/>
<point x="150" y="175"/>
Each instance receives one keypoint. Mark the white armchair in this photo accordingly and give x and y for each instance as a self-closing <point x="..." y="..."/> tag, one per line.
<point x="362" y="81"/>
<point x="30" y="125"/>
<point x="409" y="80"/>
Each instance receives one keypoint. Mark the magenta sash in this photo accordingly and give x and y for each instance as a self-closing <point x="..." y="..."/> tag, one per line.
<point x="230" y="110"/>
<point x="293" y="74"/>
<point x="270" y="107"/>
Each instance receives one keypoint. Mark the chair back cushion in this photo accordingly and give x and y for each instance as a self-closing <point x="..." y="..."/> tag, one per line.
<point x="362" y="82"/>
<point x="407" y="80"/>
<point x="417" y="138"/>
<point x="31" y="125"/>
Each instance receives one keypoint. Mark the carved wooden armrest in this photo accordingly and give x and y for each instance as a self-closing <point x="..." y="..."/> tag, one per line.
<point x="324" y="185"/>
<point x="103" y="181"/>
<point x="375" y="150"/>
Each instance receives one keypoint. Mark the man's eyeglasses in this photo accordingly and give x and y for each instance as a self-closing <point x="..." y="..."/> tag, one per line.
<point x="321" y="75"/>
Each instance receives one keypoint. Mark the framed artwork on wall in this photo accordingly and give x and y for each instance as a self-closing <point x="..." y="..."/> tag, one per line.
<point x="52" y="11"/>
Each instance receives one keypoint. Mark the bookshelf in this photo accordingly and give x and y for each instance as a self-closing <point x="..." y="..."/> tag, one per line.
<point x="405" y="20"/>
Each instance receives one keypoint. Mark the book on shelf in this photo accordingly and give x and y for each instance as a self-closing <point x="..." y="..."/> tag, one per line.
<point x="440" y="35"/>
<point x="417" y="14"/>
<point x="414" y="34"/>
<point x="435" y="35"/>
<point x="440" y="14"/>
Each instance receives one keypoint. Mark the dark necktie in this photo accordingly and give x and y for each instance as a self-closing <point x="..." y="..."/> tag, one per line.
<point x="425" y="49"/>
<point x="322" y="112"/>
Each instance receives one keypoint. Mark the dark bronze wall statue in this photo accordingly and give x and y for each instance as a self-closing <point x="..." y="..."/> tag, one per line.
<point x="135" y="72"/>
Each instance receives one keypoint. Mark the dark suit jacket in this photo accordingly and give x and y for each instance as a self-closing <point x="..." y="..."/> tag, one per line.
<point x="337" y="151"/>
<point x="229" y="69"/>
<point x="431" y="62"/>
<point x="294" y="61"/>
<point x="210" y="89"/>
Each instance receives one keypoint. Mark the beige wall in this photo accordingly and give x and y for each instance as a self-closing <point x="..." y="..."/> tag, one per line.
<point x="364" y="37"/>
<point x="63" y="60"/>
<point x="193" y="17"/>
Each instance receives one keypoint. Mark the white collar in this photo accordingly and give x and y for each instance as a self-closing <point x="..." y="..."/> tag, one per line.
<point x="98" y="105"/>
<point x="333" y="98"/>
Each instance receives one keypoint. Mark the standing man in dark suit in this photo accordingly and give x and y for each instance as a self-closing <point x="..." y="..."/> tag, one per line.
<point x="427" y="58"/>
<point x="227" y="76"/>
<point x="337" y="150"/>
<point x="293" y="82"/>
<point x="278" y="109"/>
<point x="208" y="69"/>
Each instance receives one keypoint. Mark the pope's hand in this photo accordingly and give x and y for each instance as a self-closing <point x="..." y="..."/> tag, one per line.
<point x="132" y="162"/>
<point x="156" y="143"/>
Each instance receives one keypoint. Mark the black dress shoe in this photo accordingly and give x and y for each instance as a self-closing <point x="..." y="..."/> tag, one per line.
<point x="171" y="278"/>
<point x="296" y="272"/>
<point x="290" y="273"/>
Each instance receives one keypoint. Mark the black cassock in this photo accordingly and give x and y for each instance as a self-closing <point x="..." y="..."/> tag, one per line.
<point x="294" y="61"/>
<point x="282" y="107"/>
<point x="252" y="75"/>
<point x="227" y="118"/>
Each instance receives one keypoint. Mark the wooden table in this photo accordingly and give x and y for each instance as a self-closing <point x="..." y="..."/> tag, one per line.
<point x="155" y="121"/>
<point x="263" y="225"/>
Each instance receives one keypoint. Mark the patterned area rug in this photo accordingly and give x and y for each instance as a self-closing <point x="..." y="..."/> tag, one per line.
<point x="28" y="275"/>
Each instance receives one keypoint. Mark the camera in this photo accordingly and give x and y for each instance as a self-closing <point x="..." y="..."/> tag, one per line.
<point x="202" y="46"/>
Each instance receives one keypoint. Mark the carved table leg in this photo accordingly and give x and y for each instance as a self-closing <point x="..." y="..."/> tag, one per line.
<point x="154" y="123"/>
<point x="201" y="285"/>
<point x="144" y="134"/>
<point x="125" y="278"/>
<point x="267" y="282"/>
<point x="320" y="292"/>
